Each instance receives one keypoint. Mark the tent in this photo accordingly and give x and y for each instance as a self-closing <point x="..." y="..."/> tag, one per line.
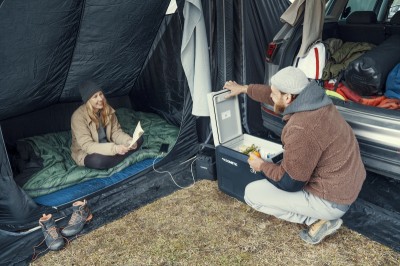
<point x="48" y="47"/>
<point x="133" y="49"/>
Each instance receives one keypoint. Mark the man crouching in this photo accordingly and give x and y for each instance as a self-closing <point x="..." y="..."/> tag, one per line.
<point x="321" y="173"/>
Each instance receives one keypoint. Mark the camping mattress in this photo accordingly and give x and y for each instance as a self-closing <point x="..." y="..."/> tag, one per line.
<point x="74" y="192"/>
<point x="59" y="171"/>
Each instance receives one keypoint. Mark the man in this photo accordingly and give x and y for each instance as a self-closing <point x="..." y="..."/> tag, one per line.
<point x="321" y="173"/>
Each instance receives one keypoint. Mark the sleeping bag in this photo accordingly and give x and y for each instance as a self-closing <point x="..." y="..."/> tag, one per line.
<point x="367" y="74"/>
<point x="59" y="171"/>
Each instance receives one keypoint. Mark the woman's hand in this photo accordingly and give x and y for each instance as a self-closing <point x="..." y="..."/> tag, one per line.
<point x="255" y="162"/>
<point x="235" y="88"/>
<point x="133" y="147"/>
<point x="121" y="149"/>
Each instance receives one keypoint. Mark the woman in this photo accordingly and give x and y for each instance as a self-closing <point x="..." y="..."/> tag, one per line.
<point x="98" y="141"/>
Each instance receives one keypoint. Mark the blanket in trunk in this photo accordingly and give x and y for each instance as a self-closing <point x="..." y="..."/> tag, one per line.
<point x="60" y="171"/>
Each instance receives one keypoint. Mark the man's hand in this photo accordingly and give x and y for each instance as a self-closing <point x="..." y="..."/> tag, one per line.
<point x="255" y="162"/>
<point x="235" y="88"/>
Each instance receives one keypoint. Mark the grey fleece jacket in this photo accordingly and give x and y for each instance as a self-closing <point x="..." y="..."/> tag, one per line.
<point x="321" y="151"/>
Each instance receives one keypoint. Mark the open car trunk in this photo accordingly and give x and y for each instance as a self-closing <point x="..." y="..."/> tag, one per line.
<point x="377" y="129"/>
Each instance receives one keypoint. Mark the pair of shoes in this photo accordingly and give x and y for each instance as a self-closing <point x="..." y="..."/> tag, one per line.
<point x="52" y="236"/>
<point x="319" y="230"/>
<point x="54" y="240"/>
<point x="81" y="215"/>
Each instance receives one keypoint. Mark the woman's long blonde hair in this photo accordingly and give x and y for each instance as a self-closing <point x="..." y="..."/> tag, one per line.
<point x="104" y="114"/>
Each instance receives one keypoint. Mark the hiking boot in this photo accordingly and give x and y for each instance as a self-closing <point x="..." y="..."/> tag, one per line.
<point x="319" y="230"/>
<point x="54" y="240"/>
<point x="81" y="215"/>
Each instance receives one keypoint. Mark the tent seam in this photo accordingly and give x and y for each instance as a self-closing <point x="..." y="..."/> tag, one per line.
<point x="73" y="53"/>
<point x="148" y="51"/>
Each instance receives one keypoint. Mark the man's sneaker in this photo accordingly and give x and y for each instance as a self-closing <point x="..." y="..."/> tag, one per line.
<point x="81" y="215"/>
<point x="319" y="230"/>
<point x="54" y="240"/>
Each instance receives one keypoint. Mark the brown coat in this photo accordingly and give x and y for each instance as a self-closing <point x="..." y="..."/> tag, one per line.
<point x="85" y="138"/>
<point x="320" y="149"/>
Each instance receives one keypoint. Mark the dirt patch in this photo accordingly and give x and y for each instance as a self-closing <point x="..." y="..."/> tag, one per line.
<point x="203" y="226"/>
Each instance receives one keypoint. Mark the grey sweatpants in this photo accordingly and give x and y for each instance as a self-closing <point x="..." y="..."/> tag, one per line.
<point x="296" y="207"/>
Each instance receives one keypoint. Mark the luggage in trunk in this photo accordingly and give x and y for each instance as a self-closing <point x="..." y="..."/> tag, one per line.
<point x="367" y="74"/>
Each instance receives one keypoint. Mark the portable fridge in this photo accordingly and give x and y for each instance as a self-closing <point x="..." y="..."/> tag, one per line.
<point x="233" y="170"/>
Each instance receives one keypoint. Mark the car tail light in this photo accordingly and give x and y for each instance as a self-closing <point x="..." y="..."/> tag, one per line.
<point x="271" y="51"/>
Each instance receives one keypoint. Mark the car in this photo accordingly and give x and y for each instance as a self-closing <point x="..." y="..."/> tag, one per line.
<point x="377" y="129"/>
<point x="393" y="11"/>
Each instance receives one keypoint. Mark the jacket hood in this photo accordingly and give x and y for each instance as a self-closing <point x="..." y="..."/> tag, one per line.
<point x="311" y="98"/>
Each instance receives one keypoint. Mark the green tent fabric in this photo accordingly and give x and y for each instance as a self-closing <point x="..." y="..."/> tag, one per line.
<point x="60" y="171"/>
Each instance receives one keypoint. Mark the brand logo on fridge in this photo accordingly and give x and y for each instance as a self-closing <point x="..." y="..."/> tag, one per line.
<point x="229" y="161"/>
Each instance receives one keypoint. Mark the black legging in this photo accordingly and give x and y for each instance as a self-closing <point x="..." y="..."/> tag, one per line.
<point x="99" y="161"/>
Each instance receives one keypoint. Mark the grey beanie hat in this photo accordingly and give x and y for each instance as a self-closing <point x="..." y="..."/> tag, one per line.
<point x="87" y="89"/>
<point x="290" y="80"/>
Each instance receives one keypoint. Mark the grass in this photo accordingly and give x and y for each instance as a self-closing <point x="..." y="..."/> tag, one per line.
<point x="203" y="226"/>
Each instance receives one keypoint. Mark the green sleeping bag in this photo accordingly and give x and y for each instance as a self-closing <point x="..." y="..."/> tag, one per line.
<point x="60" y="171"/>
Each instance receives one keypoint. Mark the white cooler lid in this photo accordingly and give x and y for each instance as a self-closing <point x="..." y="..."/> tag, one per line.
<point x="224" y="117"/>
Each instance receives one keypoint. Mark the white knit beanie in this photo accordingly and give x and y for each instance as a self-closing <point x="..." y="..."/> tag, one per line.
<point x="290" y="80"/>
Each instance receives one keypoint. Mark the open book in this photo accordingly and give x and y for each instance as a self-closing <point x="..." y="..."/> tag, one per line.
<point x="136" y="134"/>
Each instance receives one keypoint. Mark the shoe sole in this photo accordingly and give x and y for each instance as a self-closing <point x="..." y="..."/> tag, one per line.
<point x="327" y="233"/>
<point x="58" y="248"/>
<point x="331" y="231"/>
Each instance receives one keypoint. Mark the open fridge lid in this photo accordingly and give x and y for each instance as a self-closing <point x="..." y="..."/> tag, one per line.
<point x="224" y="116"/>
